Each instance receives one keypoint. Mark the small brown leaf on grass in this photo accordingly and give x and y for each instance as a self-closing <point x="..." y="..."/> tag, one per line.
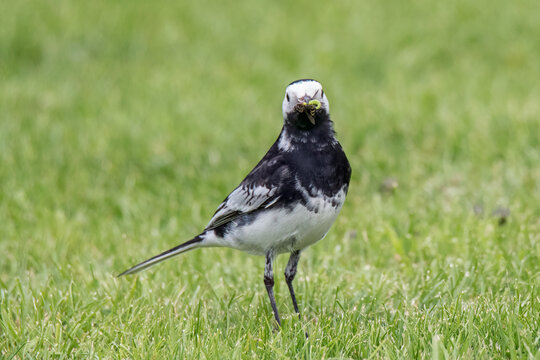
<point x="388" y="186"/>
<point x="501" y="213"/>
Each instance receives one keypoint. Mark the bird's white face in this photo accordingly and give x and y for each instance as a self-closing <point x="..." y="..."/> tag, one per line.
<point x="304" y="92"/>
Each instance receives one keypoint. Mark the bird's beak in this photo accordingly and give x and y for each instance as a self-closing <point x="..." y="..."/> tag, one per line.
<point x="309" y="108"/>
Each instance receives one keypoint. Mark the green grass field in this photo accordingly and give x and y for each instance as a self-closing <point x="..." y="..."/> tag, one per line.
<point x="124" y="124"/>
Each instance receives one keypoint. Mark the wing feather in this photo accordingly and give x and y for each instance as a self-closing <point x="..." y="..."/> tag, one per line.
<point x="243" y="200"/>
<point x="261" y="189"/>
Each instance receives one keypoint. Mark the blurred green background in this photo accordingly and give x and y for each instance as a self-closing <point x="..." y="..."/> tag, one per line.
<point x="124" y="124"/>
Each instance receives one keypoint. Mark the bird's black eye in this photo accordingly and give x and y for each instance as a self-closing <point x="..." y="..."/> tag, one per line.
<point x="288" y="97"/>
<point x="322" y="93"/>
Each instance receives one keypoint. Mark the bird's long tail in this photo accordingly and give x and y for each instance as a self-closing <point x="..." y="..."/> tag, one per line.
<point x="188" y="245"/>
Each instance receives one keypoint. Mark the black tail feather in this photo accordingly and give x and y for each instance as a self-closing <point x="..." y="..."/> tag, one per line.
<point x="188" y="245"/>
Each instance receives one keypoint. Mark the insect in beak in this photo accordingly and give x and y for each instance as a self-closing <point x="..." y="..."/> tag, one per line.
<point x="309" y="108"/>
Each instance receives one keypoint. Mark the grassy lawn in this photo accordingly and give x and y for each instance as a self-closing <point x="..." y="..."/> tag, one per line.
<point x="124" y="124"/>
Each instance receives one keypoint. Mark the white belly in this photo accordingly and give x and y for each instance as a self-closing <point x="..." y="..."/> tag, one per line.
<point x="284" y="230"/>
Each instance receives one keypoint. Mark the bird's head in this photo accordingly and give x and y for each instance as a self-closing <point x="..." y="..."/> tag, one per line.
<point x="305" y="104"/>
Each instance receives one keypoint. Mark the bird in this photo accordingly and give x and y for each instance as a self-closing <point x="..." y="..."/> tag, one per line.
<point x="291" y="197"/>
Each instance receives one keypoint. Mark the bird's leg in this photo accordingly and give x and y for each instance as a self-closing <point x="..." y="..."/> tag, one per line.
<point x="290" y="273"/>
<point x="269" y="283"/>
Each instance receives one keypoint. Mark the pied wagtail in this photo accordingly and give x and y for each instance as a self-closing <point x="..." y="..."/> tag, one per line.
<point x="290" y="199"/>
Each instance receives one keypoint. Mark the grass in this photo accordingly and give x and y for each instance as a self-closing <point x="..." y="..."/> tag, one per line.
<point x="124" y="124"/>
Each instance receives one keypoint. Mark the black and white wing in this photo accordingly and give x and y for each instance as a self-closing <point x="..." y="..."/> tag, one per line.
<point x="261" y="189"/>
